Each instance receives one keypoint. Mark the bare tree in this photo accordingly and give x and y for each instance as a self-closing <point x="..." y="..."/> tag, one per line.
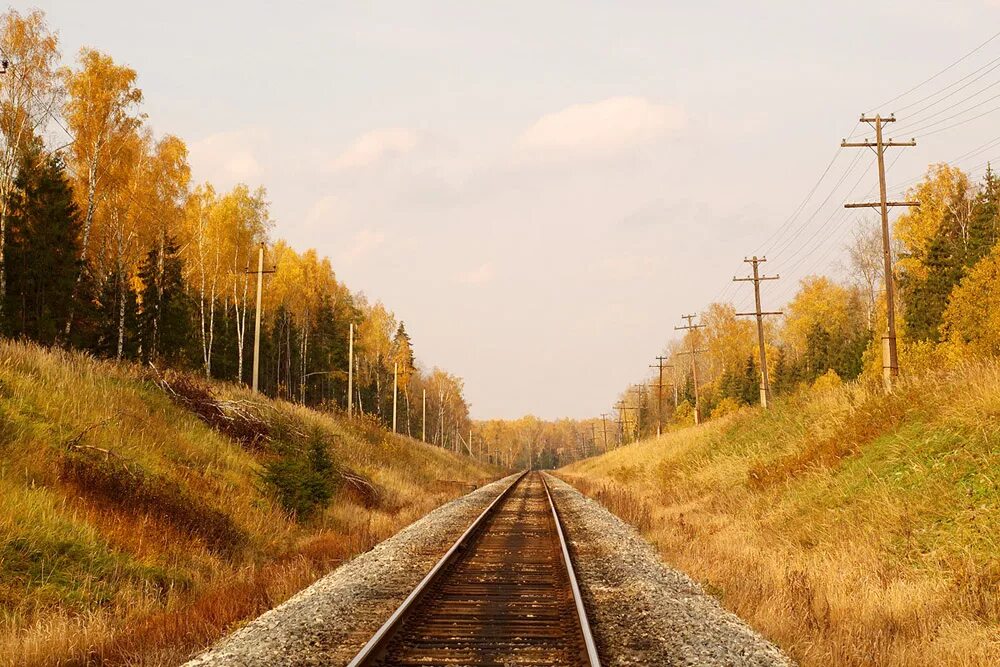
<point x="865" y="252"/>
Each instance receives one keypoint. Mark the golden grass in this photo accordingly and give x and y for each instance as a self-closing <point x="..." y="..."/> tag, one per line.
<point x="850" y="528"/>
<point x="152" y="536"/>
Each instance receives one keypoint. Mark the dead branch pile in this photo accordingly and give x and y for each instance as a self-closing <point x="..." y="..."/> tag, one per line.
<point x="242" y="421"/>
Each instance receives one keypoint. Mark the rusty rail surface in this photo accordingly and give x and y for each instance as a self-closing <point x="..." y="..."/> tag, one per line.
<point x="504" y="594"/>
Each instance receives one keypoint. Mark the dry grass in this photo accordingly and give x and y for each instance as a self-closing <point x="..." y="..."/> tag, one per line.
<point x="132" y="533"/>
<point x="850" y="528"/>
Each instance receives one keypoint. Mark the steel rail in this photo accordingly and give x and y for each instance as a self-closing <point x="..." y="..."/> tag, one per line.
<point x="380" y="638"/>
<point x="581" y="611"/>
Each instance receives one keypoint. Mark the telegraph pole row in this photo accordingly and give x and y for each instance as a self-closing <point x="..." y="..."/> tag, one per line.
<point x="765" y="383"/>
<point x="694" y="352"/>
<point x="890" y="359"/>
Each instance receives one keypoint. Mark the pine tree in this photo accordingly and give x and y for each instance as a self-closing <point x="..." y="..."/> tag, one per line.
<point x="926" y="299"/>
<point x="42" y="247"/>
<point x="984" y="227"/>
<point x="165" y="316"/>
<point x="113" y="291"/>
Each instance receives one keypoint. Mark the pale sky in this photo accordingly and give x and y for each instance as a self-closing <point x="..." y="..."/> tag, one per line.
<point x="540" y="189"/>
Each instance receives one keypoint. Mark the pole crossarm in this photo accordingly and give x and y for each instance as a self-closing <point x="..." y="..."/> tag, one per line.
<point x="878" y="204"/>
<point x="875" y="145"/>
<point x="763" y="312"/>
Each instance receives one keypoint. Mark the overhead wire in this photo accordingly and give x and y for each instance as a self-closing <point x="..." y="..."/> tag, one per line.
<point x="931" y="78"/>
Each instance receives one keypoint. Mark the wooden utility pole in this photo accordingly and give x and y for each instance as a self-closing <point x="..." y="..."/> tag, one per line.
<point x="350" y="370"/>
<point x="395" y="393"/>
<point x="640" y="390"/>
<point x="621" y="407"/>
<point x="694" y="352"/>
<point x="890" y="358"/>
<point x="604" y="418"/>
<point x="256" y="328"/>
<point x="659" y="393"/>
<point x="765" y="383"/>
<point x="423" y="420"/>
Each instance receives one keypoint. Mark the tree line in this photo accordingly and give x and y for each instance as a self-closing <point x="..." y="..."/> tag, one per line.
<point x="107" y="246"/>
<point x="947" y="276"/>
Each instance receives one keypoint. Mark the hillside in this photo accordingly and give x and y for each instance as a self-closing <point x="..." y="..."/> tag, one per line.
<point x="850" y="528"/>
<point x="132" y="532"/>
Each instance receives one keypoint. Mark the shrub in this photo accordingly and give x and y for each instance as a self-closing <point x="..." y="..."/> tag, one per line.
<point x="304" y="480"/>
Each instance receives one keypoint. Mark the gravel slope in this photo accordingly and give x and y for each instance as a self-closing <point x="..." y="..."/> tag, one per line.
<point x="328" y="622"/>
<point x="643" y="612"/>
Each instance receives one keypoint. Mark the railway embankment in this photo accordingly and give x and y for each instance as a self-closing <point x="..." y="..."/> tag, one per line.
<point x="850" y="527"/>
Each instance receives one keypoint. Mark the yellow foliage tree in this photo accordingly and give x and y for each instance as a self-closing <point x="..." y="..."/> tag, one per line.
<point x="29" y="94"/>
<point x="972" y="319"/>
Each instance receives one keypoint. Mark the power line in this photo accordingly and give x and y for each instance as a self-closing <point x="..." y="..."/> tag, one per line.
<point x="917" y="128"/>
<point x="936" y="93"/>
<point x="931" y="78"/>
<point x="920" y="121"/>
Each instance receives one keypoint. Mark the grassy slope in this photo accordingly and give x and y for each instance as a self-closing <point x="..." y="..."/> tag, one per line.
<point x="851" y="528"/>
<point x="180" y="539"/>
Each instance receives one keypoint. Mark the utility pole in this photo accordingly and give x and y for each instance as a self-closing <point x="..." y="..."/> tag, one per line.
<point x="620" y="422"/>
<point x="423" y="420"/>
<point x="350" y="370"/>
<point x="395" y="393"/>
<point x="640" y="390"/>
<point x="256" y="329"/>
<point x="765" y="383"/>
<point x="659" y="394"/>
<point x="694" y="352"/>
<point x="604" y="418"/>
<point x="890" y="358"/>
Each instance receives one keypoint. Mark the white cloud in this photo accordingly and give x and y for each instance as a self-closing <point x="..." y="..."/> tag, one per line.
<point x="603" y="127"/>
<point x="478" y="276"/>
<point x="324" y="210"/>
<point x="377" y="145"/>
<point x="363" y="242"/>
<point x="227" y="158"/>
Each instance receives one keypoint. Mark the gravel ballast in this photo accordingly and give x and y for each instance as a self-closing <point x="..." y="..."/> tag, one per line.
<point x="328" y="622"/>
<point x="641" y="611"/>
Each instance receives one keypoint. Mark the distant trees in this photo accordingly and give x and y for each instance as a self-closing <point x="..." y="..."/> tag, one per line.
<point x="106" y="246"/>
<point x="947" y="267"/>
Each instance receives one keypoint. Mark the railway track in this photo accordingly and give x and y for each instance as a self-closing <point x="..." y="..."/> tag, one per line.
<point x="505" y="594"/>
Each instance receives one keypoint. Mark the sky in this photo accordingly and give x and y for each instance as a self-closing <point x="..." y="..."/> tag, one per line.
<point x="541" y="189"/>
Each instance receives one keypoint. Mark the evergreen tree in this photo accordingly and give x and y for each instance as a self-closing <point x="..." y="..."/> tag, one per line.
<point x="984" y="227"/>
<point x="42" y="245"/>
<point x="925" y="300"/>
<point x="165" y="316"/>
<point x="750" y="390"/>
<point x="110" y="310"/>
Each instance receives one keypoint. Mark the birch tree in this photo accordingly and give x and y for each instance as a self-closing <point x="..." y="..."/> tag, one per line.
<point x="29" y="94"/>
<point x="102" y="113"/>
